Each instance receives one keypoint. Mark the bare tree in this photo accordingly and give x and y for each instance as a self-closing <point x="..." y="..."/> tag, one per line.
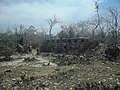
<point x="52" y="22"/>
<point x="44" y="31"/>
<point x="113" y="23"/>
<point x="82" y="28"/>
<point x="17" y="34"/>
<point x="97" y="22"/>
<point x="30" y="34"/>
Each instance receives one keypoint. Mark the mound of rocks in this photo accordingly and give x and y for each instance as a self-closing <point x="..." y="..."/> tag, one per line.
<point x="70" y="59"/>
<point x="96" y="86"/>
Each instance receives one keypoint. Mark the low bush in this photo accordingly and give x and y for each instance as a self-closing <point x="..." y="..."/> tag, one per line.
<point x="5" y="53"/>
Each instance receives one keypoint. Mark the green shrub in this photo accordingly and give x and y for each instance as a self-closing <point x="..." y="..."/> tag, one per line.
<point x="5" y="52"/>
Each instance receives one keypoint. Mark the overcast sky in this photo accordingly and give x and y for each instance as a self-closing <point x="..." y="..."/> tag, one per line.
<point x="35" y="12"/>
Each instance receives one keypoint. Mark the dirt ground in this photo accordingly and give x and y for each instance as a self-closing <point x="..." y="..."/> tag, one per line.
<point x="42" y="74"/>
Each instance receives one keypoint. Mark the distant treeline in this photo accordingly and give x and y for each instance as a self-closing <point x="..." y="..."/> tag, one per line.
<point x="105" y="29"/>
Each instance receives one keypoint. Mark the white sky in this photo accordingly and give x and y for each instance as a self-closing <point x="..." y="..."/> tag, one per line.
<point x="35" y="12"/>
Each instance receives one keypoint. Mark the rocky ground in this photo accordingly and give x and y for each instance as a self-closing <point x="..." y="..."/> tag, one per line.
<point x="30" y="72"/>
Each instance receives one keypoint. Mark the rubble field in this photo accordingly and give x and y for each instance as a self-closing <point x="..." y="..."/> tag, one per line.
<point x="44" y="73"/>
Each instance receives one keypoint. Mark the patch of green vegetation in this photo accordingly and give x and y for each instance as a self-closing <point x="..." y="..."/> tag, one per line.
<point x="5" y="53"/>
